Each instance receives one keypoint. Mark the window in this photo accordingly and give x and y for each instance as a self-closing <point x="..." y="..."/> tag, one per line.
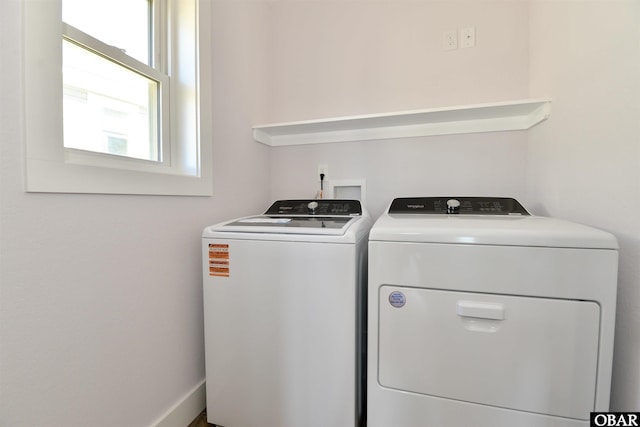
<point x="111" y="56"/>
<point x="113" y="98"/>
<point x="114" y="92"/>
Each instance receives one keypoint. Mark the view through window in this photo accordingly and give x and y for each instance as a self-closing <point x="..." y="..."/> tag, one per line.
<point x="111" y="88"/>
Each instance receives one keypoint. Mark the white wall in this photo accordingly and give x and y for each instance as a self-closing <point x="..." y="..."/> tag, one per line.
<point x="584" y="163"/>
<point x="336" y="57"/>
<point x="488" y="164"/>
<point x="346" y="57"/>
<point x="100" y="295"/>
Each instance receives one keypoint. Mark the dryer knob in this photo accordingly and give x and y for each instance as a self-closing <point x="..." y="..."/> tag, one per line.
<point x="453" y="206"/>
<point x="312" y="206"/>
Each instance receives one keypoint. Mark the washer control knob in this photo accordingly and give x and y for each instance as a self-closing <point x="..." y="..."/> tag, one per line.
<point x="312" y="206"/>
<point x="453" y="206"/>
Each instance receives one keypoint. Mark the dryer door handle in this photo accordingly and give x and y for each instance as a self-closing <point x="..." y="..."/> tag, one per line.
<point x="480" y="309"/>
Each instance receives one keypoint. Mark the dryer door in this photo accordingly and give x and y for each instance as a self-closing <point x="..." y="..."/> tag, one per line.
<point x="530" y="354"/>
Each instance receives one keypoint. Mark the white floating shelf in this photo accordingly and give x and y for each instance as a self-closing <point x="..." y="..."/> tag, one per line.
<point x="503" y="116"/>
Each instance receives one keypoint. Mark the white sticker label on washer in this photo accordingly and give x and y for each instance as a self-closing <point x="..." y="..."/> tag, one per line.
<point x="397" y="299"/>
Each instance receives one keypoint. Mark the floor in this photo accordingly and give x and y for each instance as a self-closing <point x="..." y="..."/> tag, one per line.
<point x="201" y="420"/>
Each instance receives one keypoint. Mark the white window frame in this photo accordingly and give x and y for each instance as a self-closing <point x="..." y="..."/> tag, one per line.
<point x="187" y="169"/>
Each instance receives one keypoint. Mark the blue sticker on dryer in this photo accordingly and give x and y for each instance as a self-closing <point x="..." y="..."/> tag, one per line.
<point x="397" y="299"/>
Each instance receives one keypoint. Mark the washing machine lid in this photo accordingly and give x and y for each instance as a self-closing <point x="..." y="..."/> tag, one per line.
<point x="299" y="217"/>
<point x="289" y="224"/>
<point x="500" y="222"/>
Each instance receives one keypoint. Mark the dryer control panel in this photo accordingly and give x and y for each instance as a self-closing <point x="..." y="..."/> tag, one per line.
<point x="457" y="206"/>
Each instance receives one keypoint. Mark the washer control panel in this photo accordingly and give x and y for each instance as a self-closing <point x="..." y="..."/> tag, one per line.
<point x="321" y="207"/>
<point x="457" y="206"/>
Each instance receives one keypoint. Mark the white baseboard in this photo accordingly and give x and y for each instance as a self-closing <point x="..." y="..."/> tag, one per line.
<point x="185" y="410"/>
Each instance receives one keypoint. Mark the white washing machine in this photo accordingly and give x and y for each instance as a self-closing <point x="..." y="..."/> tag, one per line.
<point x="283" y="308"/>
<point x="483" y="315"/>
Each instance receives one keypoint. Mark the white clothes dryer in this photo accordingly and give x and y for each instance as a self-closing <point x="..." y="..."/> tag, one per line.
<point x="283" y="311"/>
<point x="483" y="315"/>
